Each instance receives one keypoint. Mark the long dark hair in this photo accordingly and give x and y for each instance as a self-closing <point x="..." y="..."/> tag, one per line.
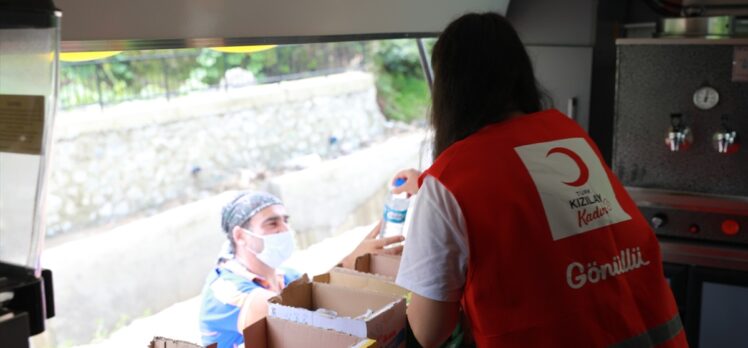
<point x="482" y="73"/>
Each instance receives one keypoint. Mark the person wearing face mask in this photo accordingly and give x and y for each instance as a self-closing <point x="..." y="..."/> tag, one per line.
<point x="248" y="270"/>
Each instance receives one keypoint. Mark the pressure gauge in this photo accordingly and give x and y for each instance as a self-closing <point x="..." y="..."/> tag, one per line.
<point x="705" y="98"/>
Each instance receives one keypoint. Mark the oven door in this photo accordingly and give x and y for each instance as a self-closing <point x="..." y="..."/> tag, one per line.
<point x="718" y="308"/>
<point x="677" y="277"/>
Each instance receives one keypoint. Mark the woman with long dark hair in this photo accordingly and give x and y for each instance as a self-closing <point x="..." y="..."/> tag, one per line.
<point x="518" y="222"/>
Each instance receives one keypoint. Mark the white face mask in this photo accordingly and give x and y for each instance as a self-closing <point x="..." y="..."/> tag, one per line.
<point x="276" y="247"/>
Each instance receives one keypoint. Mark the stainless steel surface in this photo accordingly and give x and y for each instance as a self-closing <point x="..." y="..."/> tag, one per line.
<point x="737" y="41"/>
<point x="704" y="255"/>
<point x="713" y="2"/>
<point x="717" y="7"/>
<point x="657" y="81"/>
<point x="640" y="30"/>
<point x="708" y="27"/>
<point x="695" y="201"/>
<point x="735" y="205"/>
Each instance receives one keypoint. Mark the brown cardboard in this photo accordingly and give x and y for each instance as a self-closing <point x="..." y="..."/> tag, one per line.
<point x="385" y="323"/>
<point x="359" y="280"/>
<point x="386" y="265"/>
<point x="278" y="333"/>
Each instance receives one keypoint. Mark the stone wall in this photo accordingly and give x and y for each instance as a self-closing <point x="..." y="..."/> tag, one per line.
<point x="149" y="158"/>
<point x="140" y="156"/>
<point x="106" y="279"/>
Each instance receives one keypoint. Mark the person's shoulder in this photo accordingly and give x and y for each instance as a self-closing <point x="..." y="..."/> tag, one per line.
<point x="237" y="281"/>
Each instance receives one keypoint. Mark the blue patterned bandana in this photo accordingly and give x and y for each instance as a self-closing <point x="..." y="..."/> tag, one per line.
<point x="243" y="207"/>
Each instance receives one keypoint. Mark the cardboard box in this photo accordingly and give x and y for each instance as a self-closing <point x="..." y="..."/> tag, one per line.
<point x="357" y="312"/>
<point x="162" y="342"/>
<point x="359" y="280"/>
<point x="278" y="333"/>
<point x="386" y="265"/>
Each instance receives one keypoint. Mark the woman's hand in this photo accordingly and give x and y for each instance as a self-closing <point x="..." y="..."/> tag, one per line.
<point x="411" y="181"/>
<point x="372" y="245"/>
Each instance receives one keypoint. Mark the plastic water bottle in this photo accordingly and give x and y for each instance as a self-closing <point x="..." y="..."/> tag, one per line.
<point x="395" y="209"/>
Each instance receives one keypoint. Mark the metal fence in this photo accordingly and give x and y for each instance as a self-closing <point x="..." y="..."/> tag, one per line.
<point x="124" y="78"/>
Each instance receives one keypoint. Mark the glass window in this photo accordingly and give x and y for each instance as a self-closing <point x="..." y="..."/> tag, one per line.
<point x="150" y="144"/>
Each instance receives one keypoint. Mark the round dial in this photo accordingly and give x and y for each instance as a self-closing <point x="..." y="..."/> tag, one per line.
<point x="705" y="98"/>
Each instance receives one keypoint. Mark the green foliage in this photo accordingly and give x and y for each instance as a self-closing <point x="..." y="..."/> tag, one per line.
<point x="210" y="67"/>
<point x="402" y="97"/>
<point x="299" y="59"/>
<point x="76" y="85"/>
<point x="258" y="62"/>
<point x="402" y="91"/>
<point x="399" y="57"/>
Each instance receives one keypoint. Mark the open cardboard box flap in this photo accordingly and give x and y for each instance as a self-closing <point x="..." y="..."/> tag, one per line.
<point x="355" y="279"/>
<point x="360" y="312"/>
<point x="385" y="265"/>
<point x="278" y="333"/>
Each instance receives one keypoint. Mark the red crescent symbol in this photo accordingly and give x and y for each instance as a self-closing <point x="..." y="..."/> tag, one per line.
<point x="584" y="172"/>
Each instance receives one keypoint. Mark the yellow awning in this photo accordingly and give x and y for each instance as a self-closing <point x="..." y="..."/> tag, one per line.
<point x="86" y="56"/>
<point x="243" y="49"/>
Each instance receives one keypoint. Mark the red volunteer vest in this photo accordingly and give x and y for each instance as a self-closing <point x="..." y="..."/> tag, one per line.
<point x="559" y="254"/>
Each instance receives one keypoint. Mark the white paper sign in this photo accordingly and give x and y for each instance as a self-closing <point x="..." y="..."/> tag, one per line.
<point x="574" y="188"/>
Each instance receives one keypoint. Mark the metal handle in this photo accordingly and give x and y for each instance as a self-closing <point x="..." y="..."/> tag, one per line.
<point x="571" y="108"/>
<point x="726" y="141"/>
<point x="679" y="136"/>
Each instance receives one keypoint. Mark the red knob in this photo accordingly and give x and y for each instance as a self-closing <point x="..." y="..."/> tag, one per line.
<point x="730" y="227"/>
<point x="694" y="229"/>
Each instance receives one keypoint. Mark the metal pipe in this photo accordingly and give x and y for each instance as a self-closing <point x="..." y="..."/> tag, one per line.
<point x="425" y="64"/>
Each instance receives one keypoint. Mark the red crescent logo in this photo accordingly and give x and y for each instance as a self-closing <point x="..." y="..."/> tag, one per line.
<point x="584" y="172"/>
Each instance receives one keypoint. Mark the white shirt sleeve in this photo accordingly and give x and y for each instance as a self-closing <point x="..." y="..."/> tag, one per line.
<point x="434" y="261"/>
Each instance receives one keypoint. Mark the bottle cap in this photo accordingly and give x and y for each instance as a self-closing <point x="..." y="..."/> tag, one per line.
<point x="399" y="182"/>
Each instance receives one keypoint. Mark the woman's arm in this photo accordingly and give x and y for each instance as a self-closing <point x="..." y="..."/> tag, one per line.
<point x="434" y="263"/>
<point x="432" y="321"/>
